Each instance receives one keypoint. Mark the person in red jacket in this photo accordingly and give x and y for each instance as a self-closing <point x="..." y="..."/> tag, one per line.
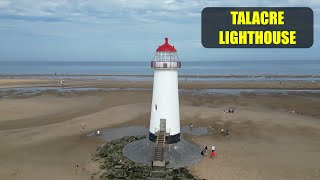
<point x="212" y="152"/>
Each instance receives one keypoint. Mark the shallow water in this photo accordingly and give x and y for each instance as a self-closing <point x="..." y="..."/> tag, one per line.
<point x="218" y="91"/>
<point x="186" y="78"/>
<point x="240" y="91"/>
<point x="117" y="133"/>
<point x="31" y="91"/>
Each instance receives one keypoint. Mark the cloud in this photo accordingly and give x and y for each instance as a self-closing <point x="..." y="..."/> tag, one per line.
<point x="93" y="25"/>
<point x="141" y="11"/>
<point x="4" y="3"/>
<point x="31" y="18"/>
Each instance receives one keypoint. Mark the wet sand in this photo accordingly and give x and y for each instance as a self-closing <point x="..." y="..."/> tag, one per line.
<point x="41" y="134"/>
<point x="106" y="83"/>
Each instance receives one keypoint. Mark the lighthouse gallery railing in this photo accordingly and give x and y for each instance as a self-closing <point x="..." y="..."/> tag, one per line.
<point x="166" y="64"/>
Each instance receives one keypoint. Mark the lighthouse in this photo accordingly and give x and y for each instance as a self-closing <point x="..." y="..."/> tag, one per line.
<point x="165" y="115"/>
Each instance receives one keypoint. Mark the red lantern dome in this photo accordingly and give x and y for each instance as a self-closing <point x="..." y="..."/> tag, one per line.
<point x="166" y="47"/>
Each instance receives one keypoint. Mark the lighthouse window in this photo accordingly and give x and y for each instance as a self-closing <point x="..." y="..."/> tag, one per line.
<point x="155" y="107"/>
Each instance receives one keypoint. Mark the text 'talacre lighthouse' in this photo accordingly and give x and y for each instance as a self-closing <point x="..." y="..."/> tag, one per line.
<point x="165" y="99"/>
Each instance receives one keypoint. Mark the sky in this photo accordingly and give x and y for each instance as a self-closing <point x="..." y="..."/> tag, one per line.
<point x="125" y="30"/>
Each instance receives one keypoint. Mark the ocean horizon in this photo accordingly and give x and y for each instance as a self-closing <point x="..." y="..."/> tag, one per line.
<point x="140" y="70"/>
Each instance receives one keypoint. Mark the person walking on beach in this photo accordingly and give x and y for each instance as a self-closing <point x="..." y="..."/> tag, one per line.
<point x="206" y="148"/>
<point x="190" y="126"/>
<point x="212" y="154"/>
<point x="227" y="133"/>
<point x="204" y="151"/>
<point x="83" y="125"/>
<point x="212" y="151"/>
<point x="98" y="133"/>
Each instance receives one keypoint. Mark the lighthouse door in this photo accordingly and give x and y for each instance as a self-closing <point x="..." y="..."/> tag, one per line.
<point x="162" y="124"/>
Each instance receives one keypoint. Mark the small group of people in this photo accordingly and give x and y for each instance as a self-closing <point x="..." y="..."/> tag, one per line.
<point x="61" y="83"/>
<point x="229" y="111"/>
<point x="225" y="132"/>
<point x="205" y="151"/>
<point x="97" y="133"/>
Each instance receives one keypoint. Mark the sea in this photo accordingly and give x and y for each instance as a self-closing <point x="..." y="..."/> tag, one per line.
<point x="140" y="70"/>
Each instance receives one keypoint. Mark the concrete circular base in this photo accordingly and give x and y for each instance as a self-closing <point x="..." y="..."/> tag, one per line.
<point x="180" y="154"/>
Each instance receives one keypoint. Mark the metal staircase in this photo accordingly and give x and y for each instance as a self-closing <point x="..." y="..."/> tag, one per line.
<point x="158" y="164"/>
<point x="159" y="148"/>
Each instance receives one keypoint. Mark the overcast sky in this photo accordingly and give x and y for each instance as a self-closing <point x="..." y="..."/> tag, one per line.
<point x="125" y="30"/>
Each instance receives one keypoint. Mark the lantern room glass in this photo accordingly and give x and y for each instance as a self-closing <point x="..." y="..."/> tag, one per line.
<point x="166" y="56"/>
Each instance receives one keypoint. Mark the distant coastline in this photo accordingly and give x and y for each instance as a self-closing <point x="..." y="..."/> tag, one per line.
<point x="144" y="77"/>
<point x="201" y="69"/>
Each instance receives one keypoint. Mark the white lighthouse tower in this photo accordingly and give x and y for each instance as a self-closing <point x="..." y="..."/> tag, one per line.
<point x="165" y="99"/>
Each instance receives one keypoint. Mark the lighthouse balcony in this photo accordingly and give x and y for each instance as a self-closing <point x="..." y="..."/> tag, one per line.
<point x="165" y="64"/>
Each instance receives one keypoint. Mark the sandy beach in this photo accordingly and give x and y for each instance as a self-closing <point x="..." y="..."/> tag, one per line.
<point x="273" y="135"/>
<point x="106" y="83"/>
